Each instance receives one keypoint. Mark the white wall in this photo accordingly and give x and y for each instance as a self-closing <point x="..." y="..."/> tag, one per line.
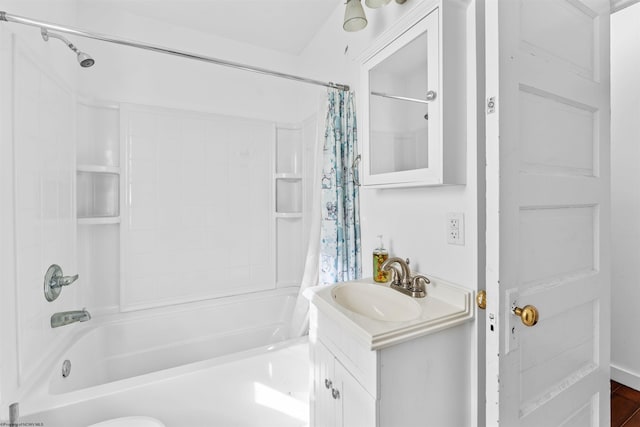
<point x="625" y="197"/>
<point x="37" y="221"/>
<point x="412" y="220"/>
<point x="137" y="76"/>
<point x="401" y="215"/>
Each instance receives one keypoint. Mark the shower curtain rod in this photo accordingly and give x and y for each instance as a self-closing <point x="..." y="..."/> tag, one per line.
<point x="4" y="16"/>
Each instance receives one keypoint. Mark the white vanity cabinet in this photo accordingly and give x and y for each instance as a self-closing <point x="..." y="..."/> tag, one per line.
<point x="339" y="399"/>
<point x="414" y="97"/>
<point x="370" y="373"/>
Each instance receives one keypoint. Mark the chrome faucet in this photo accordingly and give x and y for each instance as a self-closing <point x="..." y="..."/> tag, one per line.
<point x="413" y="286"/>
<point x="66" y="317"/>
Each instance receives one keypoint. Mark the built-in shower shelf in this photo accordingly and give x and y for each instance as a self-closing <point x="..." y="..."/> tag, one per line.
<point x="98" y="169"/>
<point x="288" y="176"/>
<point x="97" y="194"/>
<point x="288" y="215"/>
<point x="99" y="221"/>
<point x="288" y="203"/>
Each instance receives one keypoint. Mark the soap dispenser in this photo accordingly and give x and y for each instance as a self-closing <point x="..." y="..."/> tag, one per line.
<point x="380" y="255"/>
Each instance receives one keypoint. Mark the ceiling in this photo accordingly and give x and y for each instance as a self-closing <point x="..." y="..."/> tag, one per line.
<point x="283" y="25"/>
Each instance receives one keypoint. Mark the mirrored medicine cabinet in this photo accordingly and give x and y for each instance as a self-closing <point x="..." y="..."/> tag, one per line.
<point x="414" y="116"/>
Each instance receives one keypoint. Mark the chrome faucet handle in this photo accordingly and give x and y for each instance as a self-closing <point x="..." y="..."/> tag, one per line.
<point x="54" y="280"/>
<point x="61" y="281"/>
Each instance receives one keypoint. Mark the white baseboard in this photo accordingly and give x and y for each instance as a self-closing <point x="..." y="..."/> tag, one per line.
<point x="625" y="376"/>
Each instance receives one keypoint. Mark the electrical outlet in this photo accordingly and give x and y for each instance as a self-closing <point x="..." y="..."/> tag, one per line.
<point x="454" y="223"/>
<point x="455" y="228"/>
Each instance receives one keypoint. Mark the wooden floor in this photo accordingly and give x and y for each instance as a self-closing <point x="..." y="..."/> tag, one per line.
<point x="625" y="406"/>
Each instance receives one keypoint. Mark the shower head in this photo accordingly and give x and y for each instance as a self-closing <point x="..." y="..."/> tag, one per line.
<point x="84" y="59"/>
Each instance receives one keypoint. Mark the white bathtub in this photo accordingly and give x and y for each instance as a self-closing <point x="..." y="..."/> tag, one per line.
<point x="259" y="387"/>
<point x="130" y="351"/>
<point x="166" y="338"/>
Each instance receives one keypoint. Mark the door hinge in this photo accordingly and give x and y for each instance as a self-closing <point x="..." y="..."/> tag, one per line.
<point x="491" y="105"/>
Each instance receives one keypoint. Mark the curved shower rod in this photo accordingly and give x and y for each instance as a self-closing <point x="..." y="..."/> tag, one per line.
<point x="4" y="16"/>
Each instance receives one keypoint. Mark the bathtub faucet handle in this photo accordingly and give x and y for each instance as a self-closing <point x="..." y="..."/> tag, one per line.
<point x="54" y="280"/>
<point x="64" y="281"/>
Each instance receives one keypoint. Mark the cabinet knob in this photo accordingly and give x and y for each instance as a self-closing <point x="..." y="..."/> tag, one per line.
<point x="335" y="393"/>
<point x="327" y="383"/>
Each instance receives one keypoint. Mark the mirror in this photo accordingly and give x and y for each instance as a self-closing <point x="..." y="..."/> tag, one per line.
<point x="399" y="109"/>
<point x="412" y="137"/>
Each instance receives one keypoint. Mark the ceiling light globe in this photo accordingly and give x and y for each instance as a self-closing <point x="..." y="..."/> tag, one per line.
<point x="354" y="17"/>
<point x="374" y="4"/>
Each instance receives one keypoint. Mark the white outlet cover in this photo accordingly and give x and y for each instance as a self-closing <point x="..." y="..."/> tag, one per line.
<point x="455" y="228"/>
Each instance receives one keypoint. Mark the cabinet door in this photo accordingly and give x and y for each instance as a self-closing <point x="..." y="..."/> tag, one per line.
<point x="323" y="413"/>
<point x="402" y="137"/>
<point x="354" y="406"/>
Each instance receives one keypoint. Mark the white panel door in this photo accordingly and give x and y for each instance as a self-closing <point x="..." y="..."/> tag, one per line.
<point x="548" y="212"/>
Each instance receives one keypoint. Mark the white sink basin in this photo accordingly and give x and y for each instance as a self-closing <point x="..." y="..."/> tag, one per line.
<point x="376" y="302"/>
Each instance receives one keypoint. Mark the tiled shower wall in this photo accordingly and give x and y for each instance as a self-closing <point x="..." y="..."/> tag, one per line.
<point x="44" y="210"/>
<point x="197" y="208"/>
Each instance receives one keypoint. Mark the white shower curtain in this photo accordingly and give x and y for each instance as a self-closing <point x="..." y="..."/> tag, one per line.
<point x="300" y="319"/>
<point x="334" y="232"/>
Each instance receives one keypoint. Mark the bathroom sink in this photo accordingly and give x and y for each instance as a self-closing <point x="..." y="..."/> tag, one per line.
<point x="376" y="302"/>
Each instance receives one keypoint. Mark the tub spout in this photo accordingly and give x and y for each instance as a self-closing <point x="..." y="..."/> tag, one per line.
<point x="66" y="317"/>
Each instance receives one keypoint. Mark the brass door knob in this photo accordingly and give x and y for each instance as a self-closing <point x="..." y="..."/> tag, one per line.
<point x="481" y="299"/>
<point x="528" y="314"/>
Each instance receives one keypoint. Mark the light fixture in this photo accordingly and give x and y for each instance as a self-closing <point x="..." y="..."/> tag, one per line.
<point x="354" y="18"/>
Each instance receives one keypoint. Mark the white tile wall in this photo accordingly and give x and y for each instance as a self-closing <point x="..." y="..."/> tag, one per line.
<point x="44" y="202"/>
<point x="196" y="220"/>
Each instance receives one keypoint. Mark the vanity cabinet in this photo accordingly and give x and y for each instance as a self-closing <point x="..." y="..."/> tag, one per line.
<point x="339" y="399"/>
<point x="422" y="382"/>
<point x="414" y="98"/>
<point x="374" y="373"/>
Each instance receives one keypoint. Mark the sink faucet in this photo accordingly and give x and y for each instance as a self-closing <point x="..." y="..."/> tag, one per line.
<point x="413" y="286"/>
<point x="66" y="317"/>
<point x="404" y="278"/>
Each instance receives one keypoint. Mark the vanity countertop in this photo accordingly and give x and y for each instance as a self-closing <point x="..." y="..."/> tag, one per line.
<point x="446" y="305"/>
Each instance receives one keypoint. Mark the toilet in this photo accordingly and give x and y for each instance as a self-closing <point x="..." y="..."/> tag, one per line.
<point x="130" y="422"/>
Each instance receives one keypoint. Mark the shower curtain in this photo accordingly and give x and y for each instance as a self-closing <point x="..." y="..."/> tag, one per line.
<point x="334" y="253"/>
<point x="340" y="256"/>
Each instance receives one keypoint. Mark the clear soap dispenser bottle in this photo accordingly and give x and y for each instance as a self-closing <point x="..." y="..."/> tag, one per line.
<point x="380" y="255"/>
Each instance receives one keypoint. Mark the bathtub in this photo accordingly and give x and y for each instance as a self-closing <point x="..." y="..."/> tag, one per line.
<point x="122" y="353"/>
